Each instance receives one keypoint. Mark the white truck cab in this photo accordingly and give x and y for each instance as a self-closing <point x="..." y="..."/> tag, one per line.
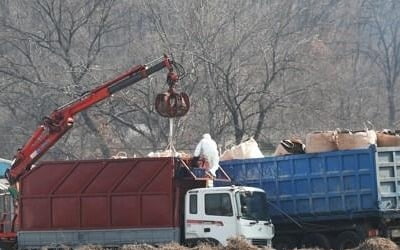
<point x="219" y="213"/>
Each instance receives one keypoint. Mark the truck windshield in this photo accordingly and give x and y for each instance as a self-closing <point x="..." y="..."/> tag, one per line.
<point x="253" y="205"/>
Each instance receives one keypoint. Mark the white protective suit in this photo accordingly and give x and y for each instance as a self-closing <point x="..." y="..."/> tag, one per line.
<point x="209" y="150"/>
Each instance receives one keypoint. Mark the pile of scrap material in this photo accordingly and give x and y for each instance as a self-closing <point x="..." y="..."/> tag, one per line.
<point x="245" y="150"/>
<point x="339" y="139"/>
<point x="121" y="155"/>
<point x="170" y="153"/>
<point x="388" y="138"/>
<point x="346" y="139"/>
<point x="325" y="141"/>
<point x="290" y="146"/>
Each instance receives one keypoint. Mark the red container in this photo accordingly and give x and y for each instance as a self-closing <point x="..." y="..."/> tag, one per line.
<point x="99" y="194"/>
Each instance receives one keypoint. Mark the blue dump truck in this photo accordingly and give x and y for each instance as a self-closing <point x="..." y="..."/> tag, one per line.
<point x="329" y="200"/>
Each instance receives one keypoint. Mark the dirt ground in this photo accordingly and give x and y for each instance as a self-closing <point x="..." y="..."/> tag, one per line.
<point x="239" y="244"/>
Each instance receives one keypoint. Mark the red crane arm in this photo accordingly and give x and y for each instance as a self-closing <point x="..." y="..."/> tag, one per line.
<point x="61" y="119"/>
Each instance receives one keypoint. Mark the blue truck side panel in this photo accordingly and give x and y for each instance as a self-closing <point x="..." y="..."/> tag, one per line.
<point x="388" y="165"/>
<point x="320" y="186"/>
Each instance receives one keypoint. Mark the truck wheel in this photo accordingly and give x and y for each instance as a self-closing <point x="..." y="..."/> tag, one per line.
<point x="284" y="243"/>
<point x="196" y="241"/>
<point x="347" y="240"/>
<point x="316" y="240"/>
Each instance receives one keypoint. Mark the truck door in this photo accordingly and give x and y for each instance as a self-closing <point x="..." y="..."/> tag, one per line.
<point x="215" y="219"/>
<point x="193" y="219"/>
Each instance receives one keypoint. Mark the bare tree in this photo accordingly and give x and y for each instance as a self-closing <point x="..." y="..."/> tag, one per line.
<point x="244" y="59"/>
<point x="263" y="69"/>
<point x="52" y="52"/>
<point x="381" y="24"/>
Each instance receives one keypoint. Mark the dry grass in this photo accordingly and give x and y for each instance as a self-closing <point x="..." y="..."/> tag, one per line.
<point x="203" y="246"/>
<point x="138" y="247"/>
<point x="241" y="244"/>
<point x="377" y="244"/>
<point x="233" y="244"/>
<point x="90" y="247"/>
<point x="58" y="247"/>
<point x="173" y="246"/>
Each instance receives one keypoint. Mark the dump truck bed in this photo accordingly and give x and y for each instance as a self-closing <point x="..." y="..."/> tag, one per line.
<point x="325" y="186"/>
<point x="108" y="201"/>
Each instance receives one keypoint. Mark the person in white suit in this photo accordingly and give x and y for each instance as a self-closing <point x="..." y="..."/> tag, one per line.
<point x="207" y="148"/>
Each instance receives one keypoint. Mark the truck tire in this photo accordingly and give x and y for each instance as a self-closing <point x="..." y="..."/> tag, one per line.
<point x="316" y="240"/>
<point x="284" y="243"/>
<point x="8" y="245"/>
<point x="347" y="240"/>
<point x="196" y="241"/>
